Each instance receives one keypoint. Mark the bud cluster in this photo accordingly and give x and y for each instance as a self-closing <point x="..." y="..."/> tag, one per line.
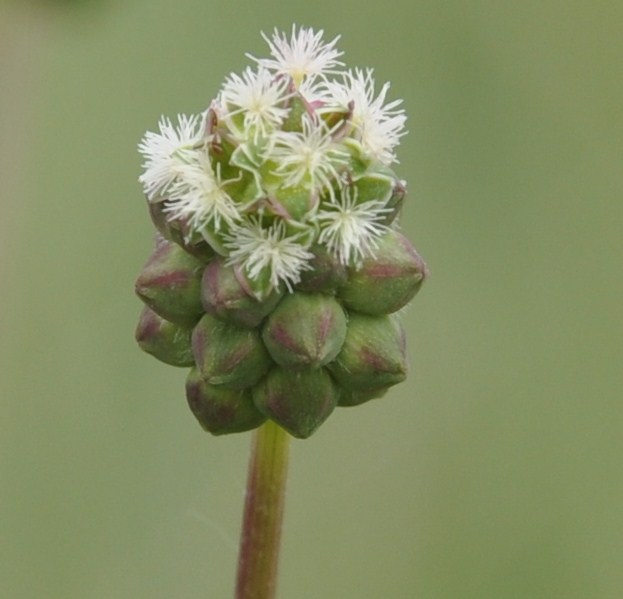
<point x="278" y="266"/>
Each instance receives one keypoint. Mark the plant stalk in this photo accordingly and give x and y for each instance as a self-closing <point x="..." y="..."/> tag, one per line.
<point x="263" y="513"/>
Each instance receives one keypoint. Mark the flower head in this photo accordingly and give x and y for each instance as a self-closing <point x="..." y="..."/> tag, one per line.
<point x="275" y="207"/>
<point x="304" y="55"/>
<point x="310" y="158"/>
<point x="379" y="126"/>
<point x="166" y="153"/>
<point x="256" y="96"/>
<point x="198" y="197"/>
<point x="349" y="229"/>
<point x="269" y="250"/>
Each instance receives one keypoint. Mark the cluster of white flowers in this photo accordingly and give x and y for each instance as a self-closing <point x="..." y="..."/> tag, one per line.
<point x="293" y="152"/>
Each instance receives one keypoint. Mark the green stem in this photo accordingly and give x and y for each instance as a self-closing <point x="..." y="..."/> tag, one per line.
<point x="263" y="513"/>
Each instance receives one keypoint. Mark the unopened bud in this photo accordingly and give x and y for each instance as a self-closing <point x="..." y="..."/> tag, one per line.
<point x="387" y="281"/>
<point x="373" y="354"/>
<point x="219" y="410"/>
<point x="227" y="354"/>
<point x="299" y="401"/>
<point x="225" y="292"/>
<point x="168" y="342"/>
<point x="170" y="283"/>
<point x="305" y="330"/>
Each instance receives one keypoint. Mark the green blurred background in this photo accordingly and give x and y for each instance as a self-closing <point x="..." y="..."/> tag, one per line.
<point x="493" y="473"/>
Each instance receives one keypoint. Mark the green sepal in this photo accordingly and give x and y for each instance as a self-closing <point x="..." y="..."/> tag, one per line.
<point x="296" y="202"/>
<point x="373" y="186"/>
<point x="294" y="120"/>
<point x="358" y="162"/>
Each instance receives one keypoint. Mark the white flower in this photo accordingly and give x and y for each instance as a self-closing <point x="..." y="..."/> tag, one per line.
<point x="304" y="55"/>
<point x="167" y="152"/>
<point x="309" y="158"/>
<point x="380" y="126"/>
<point x="258" y="96"/>
<point x="256" y="249"/>
<point x="198" y="197"/>
<point x="351" y="230"/>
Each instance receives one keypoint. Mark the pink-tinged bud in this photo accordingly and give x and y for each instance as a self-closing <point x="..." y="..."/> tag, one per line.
<point x="387" y="281"/>
<point x="373" y="354"/>
<point x="305" y="330"/>
<point x="170" y="284"/>
<point x="226" y="293"/>
<point x="168" y="342"/>
<point x="327" y="273"/>
<point x="227" y="354"/>
<point x="299" y="401"/>
<point x="219" y="410"/>
<point x="349" y="398"/>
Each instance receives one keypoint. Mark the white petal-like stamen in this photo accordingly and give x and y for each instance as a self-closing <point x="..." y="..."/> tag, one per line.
<point x="258" y="96"/>
<point x="309" y="158"/>
<point x="379" y="126"/>
<point x="351" y="230"/>
<point x="305" y="54"/>
<point x="256" y="248"/>
<point x="167" y="152"/>
<point x="198" y="198"/>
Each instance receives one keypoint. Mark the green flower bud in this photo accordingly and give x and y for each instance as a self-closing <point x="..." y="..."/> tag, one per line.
<point x="227" y="354"/>
<point x="305" y="330"/>
<point x="349" y="398"/>
<point x="299" y="401"/>
<point x="327" y="272"/>
<point x="170" y="284"/>
<point x="219" y="410"/>
<point x="373" y="354"/>
<point x="168" y="342"/>
<point x="225" y="292"/>
<point x="387" y="281"/>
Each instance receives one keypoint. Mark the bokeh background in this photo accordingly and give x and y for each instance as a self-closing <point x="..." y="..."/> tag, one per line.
<point x="494" y="472"/>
